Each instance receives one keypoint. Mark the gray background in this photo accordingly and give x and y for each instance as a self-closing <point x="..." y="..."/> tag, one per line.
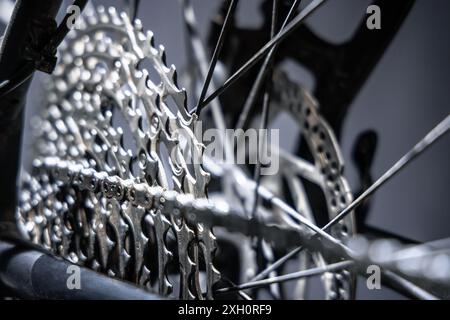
<point x="406" y="95"/>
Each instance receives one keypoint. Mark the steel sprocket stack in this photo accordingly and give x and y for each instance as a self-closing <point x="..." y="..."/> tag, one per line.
<point x="106" y="114"/>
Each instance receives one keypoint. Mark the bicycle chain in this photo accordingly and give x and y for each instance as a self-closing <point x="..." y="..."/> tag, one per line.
<point x="51" y="175"/>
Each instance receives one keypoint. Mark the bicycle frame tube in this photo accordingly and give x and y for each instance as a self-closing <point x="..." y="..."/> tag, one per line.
<point x="34" y="274"/>
<point x="31" y="25"/>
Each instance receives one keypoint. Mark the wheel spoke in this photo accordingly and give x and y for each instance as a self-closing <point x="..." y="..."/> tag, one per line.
<point x="242" y="294"/>
<point x="290" y="276"/>
<point x="406" y="287"/>
<point x="199" y="54"/>
<point x="264" y="50"/>
<point x="262" y="73"/>
<point x="133" y="8"/>
<point x="417" y="150"/>
<point x="264" y="119"/>
<point x="429" y="139"/>
<point x="277" y="264"/>
<point x="215" y="57"/>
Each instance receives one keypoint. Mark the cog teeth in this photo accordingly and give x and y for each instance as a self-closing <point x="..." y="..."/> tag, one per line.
<point x="70" y="36"/>
<point x="151" y="38"/>
<point x="124" y="16"/>
<point x="63" y="45"/>
<point x="80" y="127"/>
<point x="82" y="25"/>
<point x="103" y="16"/>
<point x="144" y="276"/>
<point x="162" y="53"/>
<point x="113" y="15"/>
<point x="92" y="18"/>
<point x="110" y="244"/>
<point x="172" y="73"/>
<point x="138" y="25"/>
<point x="125" y="256"/>
<point x="141" y="79"/>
